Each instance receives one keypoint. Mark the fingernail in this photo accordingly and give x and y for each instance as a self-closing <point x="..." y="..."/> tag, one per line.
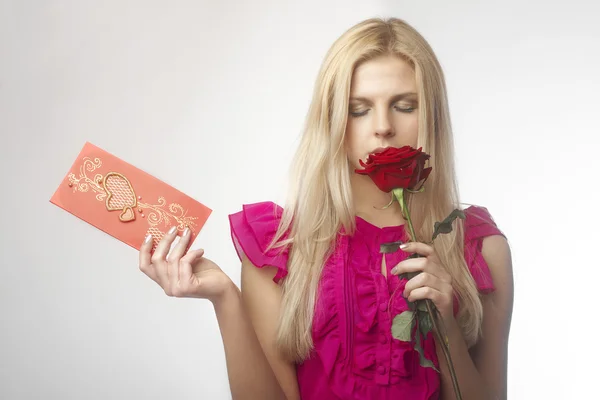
<point x="393" y="271"/>
<point x="403" y="246"/>
<point x="147" y="239"/>
<point x="186" y="232"/>
<point x="172" y="230"/>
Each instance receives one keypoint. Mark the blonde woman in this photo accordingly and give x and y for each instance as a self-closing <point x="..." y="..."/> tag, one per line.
<point x="313" y="318"/>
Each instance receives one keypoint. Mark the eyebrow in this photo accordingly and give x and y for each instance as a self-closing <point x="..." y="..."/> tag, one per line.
<point x="394" y="98"/>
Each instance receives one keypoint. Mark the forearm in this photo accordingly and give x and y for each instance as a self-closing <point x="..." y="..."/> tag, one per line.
<point x="472" y="385"/>
<point x="250" y="375"/>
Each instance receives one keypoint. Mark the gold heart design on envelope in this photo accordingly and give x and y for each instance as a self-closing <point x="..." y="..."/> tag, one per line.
<point x="120" y="195"/>
<point x="127" y="215"/>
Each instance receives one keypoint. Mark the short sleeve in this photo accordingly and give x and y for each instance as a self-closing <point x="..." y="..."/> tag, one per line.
<point x="479" y="224"/>
<point x="252" y="230"/>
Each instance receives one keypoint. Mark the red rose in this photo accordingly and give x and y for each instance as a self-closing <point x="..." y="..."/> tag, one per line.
<point x="396" y="168"/>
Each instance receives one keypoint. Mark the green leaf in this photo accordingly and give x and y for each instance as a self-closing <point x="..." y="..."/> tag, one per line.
<point x="425" y="323"/>
<point x="423" y="361"/>
<point x="402" y="326"/>
<point x="441" y="227"/>
<point x="446" y="225"/>
<point x="421" y="306"/>
<point x="412" y="306"/>
<point x="390" y="247"/>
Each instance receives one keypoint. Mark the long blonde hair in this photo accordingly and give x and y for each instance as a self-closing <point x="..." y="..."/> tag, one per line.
<point x="319" y="201"/>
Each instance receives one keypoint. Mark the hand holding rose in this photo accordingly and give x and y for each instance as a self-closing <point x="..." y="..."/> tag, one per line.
<point x="432" y="281"/>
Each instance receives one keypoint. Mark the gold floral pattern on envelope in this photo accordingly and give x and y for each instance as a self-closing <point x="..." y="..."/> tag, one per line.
<point x="124" y="201"/>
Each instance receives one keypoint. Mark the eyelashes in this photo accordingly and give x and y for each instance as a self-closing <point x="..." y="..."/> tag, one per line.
<point x="406" y="110"/>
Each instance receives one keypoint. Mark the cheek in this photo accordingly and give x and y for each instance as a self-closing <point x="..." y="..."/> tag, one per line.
<point x="414" y="129"/>
<point x="408" y="130"/>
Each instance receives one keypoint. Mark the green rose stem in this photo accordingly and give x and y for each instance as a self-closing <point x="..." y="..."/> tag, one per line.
<point x="399" y="195"/>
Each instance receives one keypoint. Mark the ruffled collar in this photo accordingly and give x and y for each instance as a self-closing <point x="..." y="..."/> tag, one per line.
<point x="377" y="235"/>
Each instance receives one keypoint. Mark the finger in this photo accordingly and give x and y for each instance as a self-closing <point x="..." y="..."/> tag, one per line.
<point x="165" y="245"/>
<point x="173" y="262"/>
<point x="410" y="265"/>
<point x="179" y="249"/>
<point x="186" y="264"/>
<point x="425" y="279"/>
<point x="426" y="292"/>
<point x="422" y="264"/>
<point x="145" y="263"/>
<point x="159" y="260"/>
<point x="419" y="248"/>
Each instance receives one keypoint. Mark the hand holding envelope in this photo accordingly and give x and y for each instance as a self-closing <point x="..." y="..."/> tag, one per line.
<point x="180" y="274"/>
<point x="147" y="214"/>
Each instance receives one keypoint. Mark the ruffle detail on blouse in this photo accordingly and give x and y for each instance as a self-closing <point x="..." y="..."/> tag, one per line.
<point x="366" y="299"/>
<point x="479" y="224"/>
<point x="252" y="230"/>
<point x="349" y="358"/>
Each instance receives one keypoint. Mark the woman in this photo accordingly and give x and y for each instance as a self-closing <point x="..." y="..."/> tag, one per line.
<point x="313" y="317"/>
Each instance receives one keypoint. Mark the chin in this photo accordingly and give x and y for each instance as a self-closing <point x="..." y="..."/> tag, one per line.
<point x="357" y="162"/>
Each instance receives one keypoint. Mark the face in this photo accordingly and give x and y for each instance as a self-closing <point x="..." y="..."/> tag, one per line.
<point x="382" y="109"/>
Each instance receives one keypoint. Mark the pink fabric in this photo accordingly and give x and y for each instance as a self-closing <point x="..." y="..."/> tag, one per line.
<point x="355" y="356"/>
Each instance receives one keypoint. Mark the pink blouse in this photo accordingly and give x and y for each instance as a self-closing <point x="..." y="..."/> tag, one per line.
<point x="354" y="355"/>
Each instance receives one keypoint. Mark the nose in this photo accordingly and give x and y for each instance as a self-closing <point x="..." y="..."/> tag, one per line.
<point x="383" y="125"/>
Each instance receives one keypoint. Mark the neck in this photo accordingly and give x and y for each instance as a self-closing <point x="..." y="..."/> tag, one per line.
<point x="369" y="201"/>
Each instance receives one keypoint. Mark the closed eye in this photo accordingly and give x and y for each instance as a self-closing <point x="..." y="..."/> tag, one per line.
<point x="358" y="114"/>
<point x="406" y="110"/>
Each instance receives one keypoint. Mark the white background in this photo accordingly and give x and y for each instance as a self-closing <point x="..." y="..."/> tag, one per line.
<point x="211" y="97"/>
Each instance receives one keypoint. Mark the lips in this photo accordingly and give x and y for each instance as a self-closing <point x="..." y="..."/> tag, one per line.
<point x="379" y="150"/>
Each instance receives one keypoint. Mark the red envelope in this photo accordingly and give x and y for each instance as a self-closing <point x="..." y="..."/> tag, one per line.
<point x="124" y="201"/>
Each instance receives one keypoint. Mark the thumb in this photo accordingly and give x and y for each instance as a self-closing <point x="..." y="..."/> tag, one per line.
<point x="192" y="256"/>
<point x="186" y="262"/>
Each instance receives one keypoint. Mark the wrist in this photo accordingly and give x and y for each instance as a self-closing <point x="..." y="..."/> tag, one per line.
<point x="229" y="294"/>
